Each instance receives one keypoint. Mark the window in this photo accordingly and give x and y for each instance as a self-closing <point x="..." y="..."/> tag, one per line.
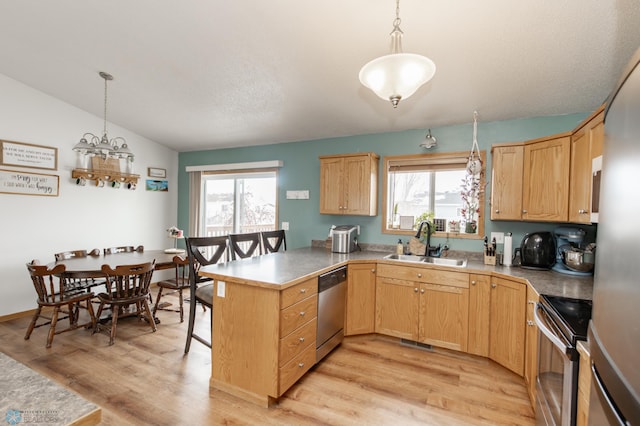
<point x="238" y="202"/>
<point x="431" y="186"/>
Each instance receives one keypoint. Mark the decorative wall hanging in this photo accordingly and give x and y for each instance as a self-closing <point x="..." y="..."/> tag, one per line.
<point x="26" y="183"/>
<point x="22" y="154"/>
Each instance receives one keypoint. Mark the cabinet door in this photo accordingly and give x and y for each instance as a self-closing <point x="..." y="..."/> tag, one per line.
<point x="358" y="186"/>
<point x="479" y="314"/>
<point x="397" y="308"/>
<point x="506" y="183"/>
<point x="596" y="131"/>
<point x="361" y="299"/>
<point x="507" y="324"/>
<point x="531" y="354"/>
<point x="331" y="183"/>
<point x="580" y="177"/>
<point x="444" y="316"/>
<point x="546" y="180"/>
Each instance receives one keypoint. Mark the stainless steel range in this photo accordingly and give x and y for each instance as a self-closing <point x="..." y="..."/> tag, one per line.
<point x="562" y="322"/>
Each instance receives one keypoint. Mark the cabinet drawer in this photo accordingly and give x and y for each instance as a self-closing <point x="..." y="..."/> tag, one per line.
<point x="297" y="341"/>
<point x="424" y="275"/>
<point x="294" y="369"/>
<point x="298" y="292"/>
<point x="296" y="315"/>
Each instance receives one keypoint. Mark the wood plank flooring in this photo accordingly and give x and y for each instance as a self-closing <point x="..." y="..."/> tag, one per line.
<point x="369" y="380"/>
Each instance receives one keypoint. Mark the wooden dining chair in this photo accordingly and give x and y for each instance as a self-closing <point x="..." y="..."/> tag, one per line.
<point x="245" y="245"/>
<point x="84" y="280"/>
<point x="123" y="249"/>
<point x="176" y="284"/>
<point x="202" y="251"/>
<point x="272" y="241"/>
<point x="129" y="288"/>
<point x="55" y="295"/>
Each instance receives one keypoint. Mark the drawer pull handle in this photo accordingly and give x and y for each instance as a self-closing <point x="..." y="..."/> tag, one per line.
<point x="302" y="313"/>
<point x="373" y="270"/>
<point x="419" y="275"/>
<point x="301" y="339"/>
<point x="415" y="290"/>
<point x="422" y="290"/>
<point x="494" y="285"/>
<point x="529" y="323"/>
<point x="301" y="364"/>
<point x="473" y="282"/>
<point x="303" y="290"/>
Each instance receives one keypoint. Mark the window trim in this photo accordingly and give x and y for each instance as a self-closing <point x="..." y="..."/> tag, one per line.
<point x="437" y="158"/>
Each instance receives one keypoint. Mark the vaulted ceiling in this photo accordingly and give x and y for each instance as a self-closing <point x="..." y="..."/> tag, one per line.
<point x="194" y="74"/>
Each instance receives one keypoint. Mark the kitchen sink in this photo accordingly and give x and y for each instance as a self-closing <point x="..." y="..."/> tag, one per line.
<point x="443" y="261"/>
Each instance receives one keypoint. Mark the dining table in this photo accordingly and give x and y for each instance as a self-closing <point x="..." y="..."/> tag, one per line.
<point x="92" y="265"/>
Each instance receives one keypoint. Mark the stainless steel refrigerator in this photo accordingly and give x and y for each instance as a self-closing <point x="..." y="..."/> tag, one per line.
<point x="614" y="333"/>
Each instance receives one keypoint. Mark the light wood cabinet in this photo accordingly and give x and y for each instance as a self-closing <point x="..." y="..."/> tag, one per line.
<point x="546" y="180"/>
<point x="507" y="323"/>
<point x="586" y="143"/>
<point x="361" y="299"/>
<point x="584" y="384"/>
<point x="479" y="314"/>
<point x="277" y="347"/>
<point x="530" y="181"/>
<point x="531" y="350"/>
<point x="349" y="184"/>
<point x="506" y="182"/>
<point x="425" y="305"/>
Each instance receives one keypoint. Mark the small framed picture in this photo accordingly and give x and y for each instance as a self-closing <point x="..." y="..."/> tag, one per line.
<point x="157" y="185"/>
<point x="156" y="172"/>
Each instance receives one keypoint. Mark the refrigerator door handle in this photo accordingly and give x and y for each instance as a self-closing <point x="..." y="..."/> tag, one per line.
<point x="542" y="326"/>
<point x="607" y="406"/>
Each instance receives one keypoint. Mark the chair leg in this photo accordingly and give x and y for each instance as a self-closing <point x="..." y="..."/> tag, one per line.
<point x="97" y="324"/>
<point x="114" y="323"/>
<point x="32" y="325"/>
<point x="192" y="318"/>
<point x="52" y="327"/>
<point x="155" y="307"/>
<point x="181" y="305"/>
<point x="92" y="315"/>
<point x="150" y="317"/>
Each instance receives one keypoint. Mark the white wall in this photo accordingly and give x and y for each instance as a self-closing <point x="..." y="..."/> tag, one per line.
<point x="35" y="227"/>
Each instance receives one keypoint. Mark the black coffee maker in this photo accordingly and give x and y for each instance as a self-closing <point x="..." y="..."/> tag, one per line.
<point x="537" y="250"/>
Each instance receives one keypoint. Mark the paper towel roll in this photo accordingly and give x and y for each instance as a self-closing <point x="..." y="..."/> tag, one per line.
<point x="508" y="250"/>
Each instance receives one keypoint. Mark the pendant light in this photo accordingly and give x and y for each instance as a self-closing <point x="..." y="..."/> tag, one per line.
<point x="398" y="75"/>
<point x="104" y="146"/>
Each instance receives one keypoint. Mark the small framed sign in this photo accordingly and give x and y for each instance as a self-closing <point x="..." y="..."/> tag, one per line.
<point x="21" y="154"/>
<point x="25" y="183"/>
<point x="156" y="172"/>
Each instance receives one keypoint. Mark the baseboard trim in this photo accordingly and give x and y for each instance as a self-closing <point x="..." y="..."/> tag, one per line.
<point x="16" y="315"/>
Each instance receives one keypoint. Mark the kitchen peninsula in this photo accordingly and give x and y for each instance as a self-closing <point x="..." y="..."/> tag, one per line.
<point x="265" y="309"/>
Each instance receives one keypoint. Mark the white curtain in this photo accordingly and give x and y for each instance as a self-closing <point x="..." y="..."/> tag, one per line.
<point x="195" y="193"/>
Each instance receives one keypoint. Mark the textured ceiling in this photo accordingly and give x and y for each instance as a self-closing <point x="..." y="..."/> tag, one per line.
<point x="195" y="74"/>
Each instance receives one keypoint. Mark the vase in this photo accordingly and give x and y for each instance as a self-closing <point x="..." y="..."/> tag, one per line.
<point x="470" y="227"/>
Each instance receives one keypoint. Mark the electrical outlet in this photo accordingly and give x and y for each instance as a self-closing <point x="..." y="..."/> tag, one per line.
<point x="285" y="226"/>
<point x="499" y="236"/>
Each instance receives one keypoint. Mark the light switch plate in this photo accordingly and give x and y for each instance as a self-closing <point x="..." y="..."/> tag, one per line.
<point x="499" y="236"/>
<point x="285" y="226"/>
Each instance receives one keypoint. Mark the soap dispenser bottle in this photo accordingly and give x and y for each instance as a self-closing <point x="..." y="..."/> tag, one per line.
<point x="399" y="248"/>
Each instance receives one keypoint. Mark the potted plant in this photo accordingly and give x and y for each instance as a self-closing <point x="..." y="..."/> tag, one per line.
<point x="426" y="216"/>
<point x="470" y="194"/>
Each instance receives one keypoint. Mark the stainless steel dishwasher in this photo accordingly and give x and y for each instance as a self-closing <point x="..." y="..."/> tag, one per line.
<point x="332" y="291"/>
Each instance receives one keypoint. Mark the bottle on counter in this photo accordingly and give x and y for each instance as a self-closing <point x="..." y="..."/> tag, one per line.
<point x="399" y="248"/>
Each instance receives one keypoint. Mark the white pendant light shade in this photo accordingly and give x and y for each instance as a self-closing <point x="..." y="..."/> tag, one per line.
<point x="397" y="75"/>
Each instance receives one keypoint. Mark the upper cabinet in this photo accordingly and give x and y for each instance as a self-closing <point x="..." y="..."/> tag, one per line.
<point x="586" y="143"/>
<point x="349" y="184"/>
<point x="530" y="181"/>
<point x="547" y="179"/>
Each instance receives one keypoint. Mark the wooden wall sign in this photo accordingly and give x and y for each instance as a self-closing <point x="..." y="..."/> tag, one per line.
<point x="25" y="183"/>
<point x="21" y="154"/>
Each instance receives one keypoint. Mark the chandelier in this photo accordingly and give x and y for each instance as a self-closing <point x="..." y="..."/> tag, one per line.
<point x="398" y="75"/>
<point x="91" y="144"/>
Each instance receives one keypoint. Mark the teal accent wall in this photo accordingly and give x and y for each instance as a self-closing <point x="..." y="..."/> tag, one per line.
<point x="301" y="171"/>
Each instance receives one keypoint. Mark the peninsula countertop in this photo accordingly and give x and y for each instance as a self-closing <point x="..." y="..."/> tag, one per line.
<point x="284" y="269"/>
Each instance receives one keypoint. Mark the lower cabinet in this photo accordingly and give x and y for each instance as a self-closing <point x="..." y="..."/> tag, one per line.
<point x="584" y="385"/>
<point x="361" y="299"/>
<point x="424" y="305"/>
<point x="507" y="323"/>
<point x="497" y="320"/>
<point x="531" y="351"/>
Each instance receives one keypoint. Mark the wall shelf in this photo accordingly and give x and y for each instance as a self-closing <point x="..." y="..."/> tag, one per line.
<point x="104" y="177"/>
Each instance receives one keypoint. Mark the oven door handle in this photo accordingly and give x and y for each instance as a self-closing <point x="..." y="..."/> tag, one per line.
<point x="542" y="326"/>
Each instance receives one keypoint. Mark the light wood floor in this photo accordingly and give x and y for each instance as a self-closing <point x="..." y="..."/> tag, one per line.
<point x="369" y="380"/>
